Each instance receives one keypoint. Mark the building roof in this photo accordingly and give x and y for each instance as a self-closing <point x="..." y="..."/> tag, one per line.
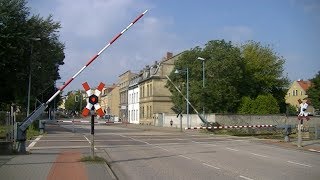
<point x="304" y="84"/>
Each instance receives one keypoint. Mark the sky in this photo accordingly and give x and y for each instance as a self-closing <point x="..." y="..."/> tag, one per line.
<point x="291" y="27"/>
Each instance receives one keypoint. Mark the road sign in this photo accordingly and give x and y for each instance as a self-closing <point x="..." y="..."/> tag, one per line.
<point x="93" y="103"/>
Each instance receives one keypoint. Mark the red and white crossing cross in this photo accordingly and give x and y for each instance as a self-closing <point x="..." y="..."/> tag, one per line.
<point x="93" y="99"/>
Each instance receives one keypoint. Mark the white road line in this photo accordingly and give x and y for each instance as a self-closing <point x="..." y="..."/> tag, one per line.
<point x="210" y="165"/>
<point x="301" y="164"/>
<point x="145" y="143"/>
<point x="313" y="150"/>
<point x="87" y="139"/>
<point x="245" y="178"/>
<point x="135" y="139"/>
<point x="34" y="142"/>
<point x="259" y="155"/>
<point x="89" y="142"/>
<point x="185" y="157"/>
<point x="162" y="148"/>
<point x="232" y="149"/>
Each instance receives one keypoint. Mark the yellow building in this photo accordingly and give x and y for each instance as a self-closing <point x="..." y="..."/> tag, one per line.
<point x="298" y="90"/>
<point x="154" y="96"/>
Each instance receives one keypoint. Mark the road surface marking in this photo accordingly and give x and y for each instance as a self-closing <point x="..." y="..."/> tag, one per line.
<point x="34" y="142"/>
<point x="313" y="150"/>
<point x="232" y="149"/>
<point x="259" y="155"/>
<point x="162" y="148"/>
<point x="299" y="164"/>
<point x="245" y="178"/>
<point x="210" y="165"/>
<point x="89" y="141"/>
<point x="184" y="156"/>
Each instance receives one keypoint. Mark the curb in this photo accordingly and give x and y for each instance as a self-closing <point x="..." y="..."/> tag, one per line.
<point x="105" y="155"/>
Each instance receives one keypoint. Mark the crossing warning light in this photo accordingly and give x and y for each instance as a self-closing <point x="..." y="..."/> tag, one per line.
<point x="93" y="103"/>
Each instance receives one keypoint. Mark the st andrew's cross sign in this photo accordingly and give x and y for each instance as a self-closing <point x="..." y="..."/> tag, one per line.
<point x="93" y="102"/>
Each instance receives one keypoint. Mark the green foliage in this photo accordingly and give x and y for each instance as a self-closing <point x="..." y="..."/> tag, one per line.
<point x="70" y="103"/>
<point x="292" y="110"/>
<point x="95" y="159"/>
<point x="314" y="91"/>
<point x="263" y="104"/>
<point x="263" y="72"/>
<point x="231" y="73"/>
<point x="22" y="52"/>
<point x="246" y="105"/>
<point x="32" y="132"/>
<point x="223" y="71"/>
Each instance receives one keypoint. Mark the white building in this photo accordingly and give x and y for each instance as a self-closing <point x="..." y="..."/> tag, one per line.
<point x="133" y="100"/>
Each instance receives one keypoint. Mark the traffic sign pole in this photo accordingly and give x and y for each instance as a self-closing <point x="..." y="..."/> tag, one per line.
<point x="92" y="135"/>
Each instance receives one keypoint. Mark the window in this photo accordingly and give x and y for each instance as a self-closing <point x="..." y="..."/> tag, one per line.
<point x="293" y="93"/>
<point x="150" y="89"/>
<point x="142" y="112"/>
<point x="147" y="111"/>
<point x="150" y="111"/>
<point x="137" y="114"/>
<point x="296" y="92"/>
<point x="129" y="116"/>
<point x="143" y="91"/>
<point x="289" y="94"/>
<point x="301" y="93"/>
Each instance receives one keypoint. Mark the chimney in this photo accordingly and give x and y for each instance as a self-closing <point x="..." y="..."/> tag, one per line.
<point x="169" y="55"/>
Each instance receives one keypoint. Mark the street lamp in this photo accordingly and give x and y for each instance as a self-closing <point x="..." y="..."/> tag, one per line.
<point x="203" y="76"/>
<point x="29" y="84"/>
<point x="187" y="73"/>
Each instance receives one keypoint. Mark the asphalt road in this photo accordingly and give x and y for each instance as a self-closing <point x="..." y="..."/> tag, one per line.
<point x="145" y="154"/>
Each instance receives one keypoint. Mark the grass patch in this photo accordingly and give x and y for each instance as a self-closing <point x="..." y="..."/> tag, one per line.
<point x="95" y="159"/>
<point x="32" y="132"/>
<point x="3" y="131"/>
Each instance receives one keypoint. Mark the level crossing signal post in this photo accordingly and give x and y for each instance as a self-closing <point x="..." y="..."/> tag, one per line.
<point x="92" y="107"/>
<point x="303" y="114"/>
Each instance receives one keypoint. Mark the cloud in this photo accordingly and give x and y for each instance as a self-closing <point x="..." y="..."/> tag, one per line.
<point x="236" y="34"/>
<point x="89" y="25"/>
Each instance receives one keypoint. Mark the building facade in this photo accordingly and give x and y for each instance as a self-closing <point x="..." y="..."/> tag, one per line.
<point x="298" y="90"/>
<point x="124" y="80"/>
<point x="133" y="100"/>
<point x="154" y="97"/>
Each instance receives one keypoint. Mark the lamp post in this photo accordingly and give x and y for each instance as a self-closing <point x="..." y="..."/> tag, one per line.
<point x="203" y="76"/>
<point x="29" y="84"/>
<point x="187" y="74"/>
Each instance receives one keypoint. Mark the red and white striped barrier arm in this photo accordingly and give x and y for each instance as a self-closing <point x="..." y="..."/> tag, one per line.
<point x="86" y="122"/>
<point x="231" y="127"/>
<point x="95" y="57"/>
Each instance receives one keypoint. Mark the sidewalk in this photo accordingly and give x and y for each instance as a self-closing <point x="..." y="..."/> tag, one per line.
<point x="53" y="164"/>
<point x="307" y="145"/>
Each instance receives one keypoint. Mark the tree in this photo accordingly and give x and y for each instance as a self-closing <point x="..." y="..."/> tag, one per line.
<point x="232" y="73"/>
<point x="224" y="68"/>
<point x="263" y="72"/>
<point x="21" y="54"/>
<point x="314" y="91"/>
<point x="263" y="104"/>
<point x="75" y="101"/>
